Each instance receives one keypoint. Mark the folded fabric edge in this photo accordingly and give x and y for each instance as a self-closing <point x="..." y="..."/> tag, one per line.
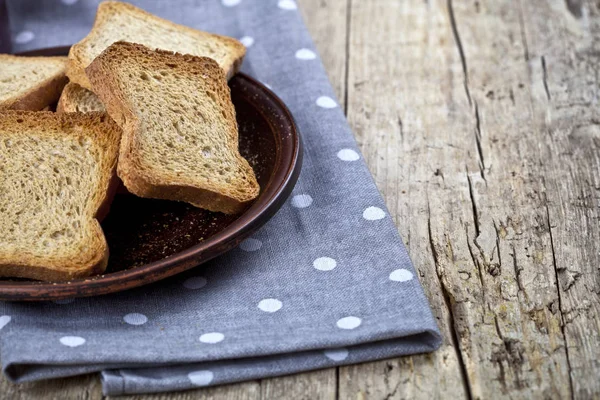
<point x="117" y="382"/>
<point x="426" y="341"/>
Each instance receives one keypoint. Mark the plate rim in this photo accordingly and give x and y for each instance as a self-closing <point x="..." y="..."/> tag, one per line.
<point x="281" y="185"/>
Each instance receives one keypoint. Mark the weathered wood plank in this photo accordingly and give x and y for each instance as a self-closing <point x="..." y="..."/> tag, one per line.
<point x="563" y="41"/>
<point x="466" y="162"/>
<point x="510" y="337"/>
<point x="317" y="385"/>
<point x="241" y="391"/>
<point x="82" y="387"/>
<point x="398" y="90"/>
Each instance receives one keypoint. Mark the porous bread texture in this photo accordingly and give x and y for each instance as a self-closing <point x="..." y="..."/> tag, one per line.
<point x="180" y="136"/>
<point x="117" y="21"/>
<point x="30" y="83"/>
<point x="75" y="98"/>
<point x="57" y="175"/>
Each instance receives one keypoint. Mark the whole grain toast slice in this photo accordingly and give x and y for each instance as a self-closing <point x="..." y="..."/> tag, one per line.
<point x="57" y="178"/>
<point x="180" y="135"/>
<point x="75" y="98"/>
<point x="30" y="83"/>
<point x="116" y="21"/>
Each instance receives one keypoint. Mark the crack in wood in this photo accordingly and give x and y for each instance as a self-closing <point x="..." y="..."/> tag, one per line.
<point x="448" y="300"/>
<point x="337" y="383"/>
<point x="461" y="51"/>
<point x="498" y="246"/>
<point x="502" y="377"/>
<point x="518" y="271"/>
<point x="491" y="268"/>
<point x="478" y="141"/>
<point x="391" y="395"/>
<point x="560" y="306"/>
<point x="512" y="353"/>
<point x="401" y="128"/>
<point x="477" y="266"/>
<point x="545" y="77"/>
<point x="473" y="204"/>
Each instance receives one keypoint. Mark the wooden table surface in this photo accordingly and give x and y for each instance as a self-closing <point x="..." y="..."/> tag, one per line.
<point x="480" y="121"/>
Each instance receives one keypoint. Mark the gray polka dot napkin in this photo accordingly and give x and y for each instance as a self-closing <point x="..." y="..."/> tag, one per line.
<point x="326" y="282"/>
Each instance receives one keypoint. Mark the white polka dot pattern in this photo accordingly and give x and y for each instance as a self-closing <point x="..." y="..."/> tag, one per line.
<point x="401" y="275"/>
<point x="231" y="3"/>
<point x="348" y="155"/>
<point x="326" y="102"/>
<point x="201" y="378"/>
<point x="349" y="322"/>
<point x="270" y="305"/>
<point x="4" y="320"/>
<point x="324" y="264"/>
<point x="305" y="54"/>
<point x="72" y="341"/>
<point x="287" y="4"/>
<point x="24" y="37"/>
<point x="373" y="214"/>
<point x="247" y="41"/>
<point x="301" y="201"/>
<point x="135" y="319"/>
<point x="195" y="282"/>
<point x="212" y="337"/>
<point x="336" y="354"/>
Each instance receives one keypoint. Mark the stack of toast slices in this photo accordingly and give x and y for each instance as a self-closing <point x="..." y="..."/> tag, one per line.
<point x="141" y="99"/>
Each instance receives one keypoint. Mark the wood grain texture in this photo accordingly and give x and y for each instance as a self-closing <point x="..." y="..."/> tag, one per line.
<point x="478" y="162"/>
<point x="397" y="110"/>
<point x="480" y="123"/>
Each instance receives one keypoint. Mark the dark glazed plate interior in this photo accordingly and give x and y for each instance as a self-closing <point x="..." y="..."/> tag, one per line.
<point x="150" y="240"/>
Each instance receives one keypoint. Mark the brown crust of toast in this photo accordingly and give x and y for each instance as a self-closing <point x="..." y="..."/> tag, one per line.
<point x="41" y="95"/>
<point x="135" y="177"/>
<point x="202" y="198"/>
<point x="102" y="128"/>
<point x="78" y="61"/>
<point x="61" y="106"/>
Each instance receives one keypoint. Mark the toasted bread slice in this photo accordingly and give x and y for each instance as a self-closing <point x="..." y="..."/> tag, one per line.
<point x="116" y="21"/>
<point x="180" y="135"/>
<point x="75" y="98"/>
<point x="30" y="83"/>
<point x="57" y="177"/>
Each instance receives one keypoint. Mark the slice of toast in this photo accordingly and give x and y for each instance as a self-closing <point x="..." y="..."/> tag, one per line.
<point x="75" y="98"/>
<point x="30" y="83"/>
<point x="57" y="178"/>
<point x="180" y="135"/>
<point x="116" y="21"/>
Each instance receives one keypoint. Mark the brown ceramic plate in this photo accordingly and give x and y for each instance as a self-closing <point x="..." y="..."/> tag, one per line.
<point x="150" y="240"/>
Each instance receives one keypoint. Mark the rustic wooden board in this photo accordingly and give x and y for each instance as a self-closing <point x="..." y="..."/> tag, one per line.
<point x="480" y="123"/>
